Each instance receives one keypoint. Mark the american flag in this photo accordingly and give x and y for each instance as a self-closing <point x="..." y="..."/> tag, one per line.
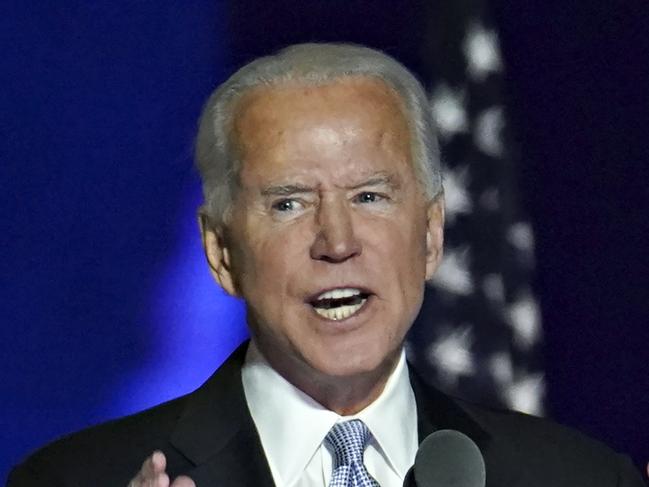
<point x="479" y="332"/>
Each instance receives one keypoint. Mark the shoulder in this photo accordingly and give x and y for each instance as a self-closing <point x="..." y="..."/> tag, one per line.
<point x="523" y="450"/>
<point x="547" y="453"/>
<point x="112" y="451"/>
<point x="109" y="454"/>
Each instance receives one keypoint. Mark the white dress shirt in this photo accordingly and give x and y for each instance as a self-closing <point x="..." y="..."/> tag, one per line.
<point x="292" y="427"/>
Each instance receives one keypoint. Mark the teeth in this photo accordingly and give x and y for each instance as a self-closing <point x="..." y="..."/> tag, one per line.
<point x="341" y="312"/>
<point x="339" y="293"/>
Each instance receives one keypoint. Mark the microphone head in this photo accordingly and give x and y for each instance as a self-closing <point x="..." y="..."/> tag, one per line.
<point x="448" y="458"/>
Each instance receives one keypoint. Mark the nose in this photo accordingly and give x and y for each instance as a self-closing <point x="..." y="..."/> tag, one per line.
<point x="335" y="240"/>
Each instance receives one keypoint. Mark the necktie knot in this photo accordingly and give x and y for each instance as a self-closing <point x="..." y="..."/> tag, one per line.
<point x="348" y="441"/>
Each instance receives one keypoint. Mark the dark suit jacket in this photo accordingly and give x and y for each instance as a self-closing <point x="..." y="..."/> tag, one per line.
<point x="210" y="436"/>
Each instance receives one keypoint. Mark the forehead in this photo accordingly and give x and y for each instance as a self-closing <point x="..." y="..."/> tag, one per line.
<point x="350" y="117"/>
<point x="360" y="89"/>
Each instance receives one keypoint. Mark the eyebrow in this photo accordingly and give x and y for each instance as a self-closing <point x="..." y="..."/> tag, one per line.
<point x="286" y="189"/>
<point x="379" y="179"/>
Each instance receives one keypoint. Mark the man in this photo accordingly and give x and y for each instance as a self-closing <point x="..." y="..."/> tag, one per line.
<point x="324" y="212"/>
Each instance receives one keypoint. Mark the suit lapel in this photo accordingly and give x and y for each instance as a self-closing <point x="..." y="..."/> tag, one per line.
<point x="436" y="411"/>
<point x="217" y="435"/>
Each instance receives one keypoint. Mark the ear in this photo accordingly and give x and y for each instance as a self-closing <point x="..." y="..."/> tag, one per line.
<point x="217" y="254"/>
<point x="434" y="235"/>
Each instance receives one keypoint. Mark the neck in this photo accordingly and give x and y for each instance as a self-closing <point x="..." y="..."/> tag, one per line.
<point x="347" y="396"/>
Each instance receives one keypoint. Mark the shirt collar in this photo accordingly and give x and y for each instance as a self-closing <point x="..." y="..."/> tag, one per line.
<point x="279" y="410"/>
<point x="392" y="419"/>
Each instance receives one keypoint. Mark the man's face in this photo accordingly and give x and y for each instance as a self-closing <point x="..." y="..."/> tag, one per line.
<point x="330" y="239"/>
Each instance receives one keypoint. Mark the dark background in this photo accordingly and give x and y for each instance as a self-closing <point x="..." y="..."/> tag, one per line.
<point x="98" y="104"/>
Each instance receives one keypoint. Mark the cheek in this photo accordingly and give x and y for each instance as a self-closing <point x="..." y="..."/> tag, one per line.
<point x="404" y="246"/>
<point x="266" y="265"/>
<point x="400" y="252"/>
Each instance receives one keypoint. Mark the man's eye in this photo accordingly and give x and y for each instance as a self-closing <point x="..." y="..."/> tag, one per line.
<point x="368" y="197"/>
<point x="285" y="205"/>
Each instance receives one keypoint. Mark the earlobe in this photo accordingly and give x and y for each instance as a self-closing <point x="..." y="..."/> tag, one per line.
<point x="217" y="254"/>
<point x="434" y="235"/>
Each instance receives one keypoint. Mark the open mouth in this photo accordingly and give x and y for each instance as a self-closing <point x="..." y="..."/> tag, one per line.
<point x="339" y="304"/>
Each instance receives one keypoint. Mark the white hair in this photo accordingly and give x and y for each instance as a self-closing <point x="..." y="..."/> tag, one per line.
<point x="311" y="64"/>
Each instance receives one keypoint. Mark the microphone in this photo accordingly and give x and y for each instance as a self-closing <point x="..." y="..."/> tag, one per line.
<point x="447" y="458"/>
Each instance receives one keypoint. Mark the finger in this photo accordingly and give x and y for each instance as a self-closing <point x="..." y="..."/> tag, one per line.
<point x="183" y="481"/>
<point x="151" y="468"/>
<point x="148" y="469"/>
<point x="158" y="462"/>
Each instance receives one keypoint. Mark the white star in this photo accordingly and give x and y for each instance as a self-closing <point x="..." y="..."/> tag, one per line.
<point x="520" y="236"/>
<point x="482" y="52"/>
<point x="520" y="390"/>
<point x="524" y="318"/>
<point x="487" y="134"/>
<point x="451" y="354"/>
<point x="526" y="394"/>
<point x="448" y="110"/>
<point x="455" y="192"/>
<point x="453" y="275"/>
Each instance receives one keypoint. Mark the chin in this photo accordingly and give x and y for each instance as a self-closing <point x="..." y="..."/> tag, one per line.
<point x="341" y="364"/>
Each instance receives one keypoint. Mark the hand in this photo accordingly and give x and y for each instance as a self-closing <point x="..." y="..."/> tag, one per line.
<point x="152" y="474"/>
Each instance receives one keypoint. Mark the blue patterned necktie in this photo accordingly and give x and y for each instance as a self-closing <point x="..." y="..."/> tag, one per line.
<point x="348" y="441"/>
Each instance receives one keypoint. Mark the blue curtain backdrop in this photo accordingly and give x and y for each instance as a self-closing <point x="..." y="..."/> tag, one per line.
<point x="106" y="304"/>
